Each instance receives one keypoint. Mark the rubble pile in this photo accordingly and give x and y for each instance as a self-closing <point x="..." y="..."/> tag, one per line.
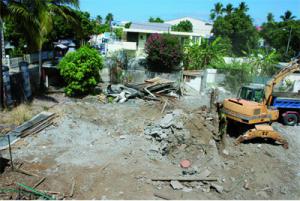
<point x="167" y="132"/>
<point x="151" y="89"/>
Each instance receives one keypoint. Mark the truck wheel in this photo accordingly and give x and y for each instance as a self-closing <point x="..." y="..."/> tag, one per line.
<point x="290" y="119"/>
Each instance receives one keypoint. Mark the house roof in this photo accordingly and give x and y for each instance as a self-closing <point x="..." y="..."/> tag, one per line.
<point x="199" y="26"/>
<point x="151" y="26"/>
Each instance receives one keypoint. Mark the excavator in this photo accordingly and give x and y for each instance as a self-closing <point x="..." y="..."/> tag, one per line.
<point x="257" y="114"/>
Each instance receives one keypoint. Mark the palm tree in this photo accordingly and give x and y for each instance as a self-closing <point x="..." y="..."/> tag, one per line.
<point x="109" y="18"/>
<point x="99" y="19"/>
<point x="217" y="11"/>
<point x="243" y="7"/>
<point x="288" y="15"/>
<point x="40" y="22"/>
<point x="270" y="18"/>
<point x="228" y="9"/>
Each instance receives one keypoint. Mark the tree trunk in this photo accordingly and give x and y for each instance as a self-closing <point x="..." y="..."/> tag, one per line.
<point x="40" y="69"/>
<point x="1" y="58"/>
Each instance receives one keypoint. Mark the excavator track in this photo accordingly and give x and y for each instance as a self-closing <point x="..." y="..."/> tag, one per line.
<point x="263" y="131"/>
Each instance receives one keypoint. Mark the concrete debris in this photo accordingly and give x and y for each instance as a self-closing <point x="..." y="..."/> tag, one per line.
<point x="176" y="185"/>
<point x="187" y="190"/>
<point x="225" y="152"/>
<point x="168" y="131"/>
<point x="217" y="187"/>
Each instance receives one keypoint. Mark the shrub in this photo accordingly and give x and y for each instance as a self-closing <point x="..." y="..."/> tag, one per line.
<point x="164" y="52"/>
<point x="80" y="71"/>
<point x="201" y="55"/>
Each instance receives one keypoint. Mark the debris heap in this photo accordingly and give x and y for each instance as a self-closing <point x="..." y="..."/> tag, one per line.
<point x="167" y="132"/>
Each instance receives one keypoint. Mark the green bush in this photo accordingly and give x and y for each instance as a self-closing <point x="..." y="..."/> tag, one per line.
<point x="80" y="71"/>
<point x="164" y="52"/>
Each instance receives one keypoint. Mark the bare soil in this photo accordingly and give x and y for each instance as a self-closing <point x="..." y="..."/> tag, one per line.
<point x="103" y="148"/>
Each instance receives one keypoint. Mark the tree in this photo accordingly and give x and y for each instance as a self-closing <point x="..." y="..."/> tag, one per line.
<point x="119" y="33"/>
<point x="164" y="52"/>
<point x="183" y="26"/>
<point x="270" y="18"/>
<point x="228" y="9"/>
<point x="155" y="20"/>
<point x="284" y="36"/>
<point x="239" y="29"/>
<point x="99" y="19"/>
<point x="109" y="18"/>
<point x="243" y="7"/>
<point x="288" y="15"/>
<point x="127" y="25"/>
<point x="217" y="11"/>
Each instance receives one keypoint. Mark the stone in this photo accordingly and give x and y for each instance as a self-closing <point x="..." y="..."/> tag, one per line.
<point x="166" y="121"/>
<point x="122" y="137"/>
<point x="246" y="185"/>
<point x="176" y="185"/>
<point x="259" y="146"/>
<point x="187" y="190"/>
<point x="225" y="152"/>
<point x="218" y="188"/>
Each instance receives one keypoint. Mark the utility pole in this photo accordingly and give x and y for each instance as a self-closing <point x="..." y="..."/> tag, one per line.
<point x="289" y="41"/>
<point x="1" y="69"/>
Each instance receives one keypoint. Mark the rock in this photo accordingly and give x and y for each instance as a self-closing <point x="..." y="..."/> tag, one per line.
<point x="166" y="121"/>
<point x="259" y="146"/>
<point x="176" y="185"/>
<point x="178" y="125"/>
<point x="122" y="137"/>
<point x="218" y="188"/>
<point x="225" y="152"/>
<point x="283" y="190"/>
<point x="246" y="185"/>
<point x="187" y="190"/>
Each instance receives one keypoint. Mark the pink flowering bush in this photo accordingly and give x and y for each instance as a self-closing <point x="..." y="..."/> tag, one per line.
<point x="164" y="52"/>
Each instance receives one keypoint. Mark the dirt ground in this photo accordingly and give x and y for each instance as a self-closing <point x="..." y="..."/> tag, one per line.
<point x="104" y="149"/>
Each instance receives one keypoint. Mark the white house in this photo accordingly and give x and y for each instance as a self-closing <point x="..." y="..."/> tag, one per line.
<point x="139" y="32"/>
<point x="199" y="26"/>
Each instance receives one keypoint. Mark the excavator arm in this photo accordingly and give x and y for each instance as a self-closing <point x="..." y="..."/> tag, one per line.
<point x="289" y="69"/>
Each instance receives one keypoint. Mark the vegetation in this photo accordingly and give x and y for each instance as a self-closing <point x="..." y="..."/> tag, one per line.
<point x="127" y="25"/>
<point x="199" y="56"/>
<point x="183" y="26"/>
<point x="164" y="52"/>
<point x="284" y="35"/>
<point x="80" y="71"/>
<point x="235" y="25"/>
<point x="156" y="20"/>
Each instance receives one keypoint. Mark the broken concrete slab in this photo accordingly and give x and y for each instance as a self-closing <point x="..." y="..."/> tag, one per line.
<point x="176" y="185"/>
<point x="217" y="187"/>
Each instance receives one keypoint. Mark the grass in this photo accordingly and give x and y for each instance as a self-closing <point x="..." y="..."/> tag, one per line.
<point x="16" y="116"/>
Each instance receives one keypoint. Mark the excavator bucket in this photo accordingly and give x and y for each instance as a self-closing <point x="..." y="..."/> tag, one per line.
<point x="263" y="131"/>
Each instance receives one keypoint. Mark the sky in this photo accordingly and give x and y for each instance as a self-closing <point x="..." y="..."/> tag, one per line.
<point x="141" y="10"/>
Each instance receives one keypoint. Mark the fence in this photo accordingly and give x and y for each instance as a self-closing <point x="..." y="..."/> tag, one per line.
<point x="30" y="58"/>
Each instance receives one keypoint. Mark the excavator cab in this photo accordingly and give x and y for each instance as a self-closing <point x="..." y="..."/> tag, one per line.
<point x="252" y="92"/>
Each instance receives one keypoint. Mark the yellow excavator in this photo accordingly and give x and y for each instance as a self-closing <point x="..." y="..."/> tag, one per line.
<point x="258" y="114"/>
